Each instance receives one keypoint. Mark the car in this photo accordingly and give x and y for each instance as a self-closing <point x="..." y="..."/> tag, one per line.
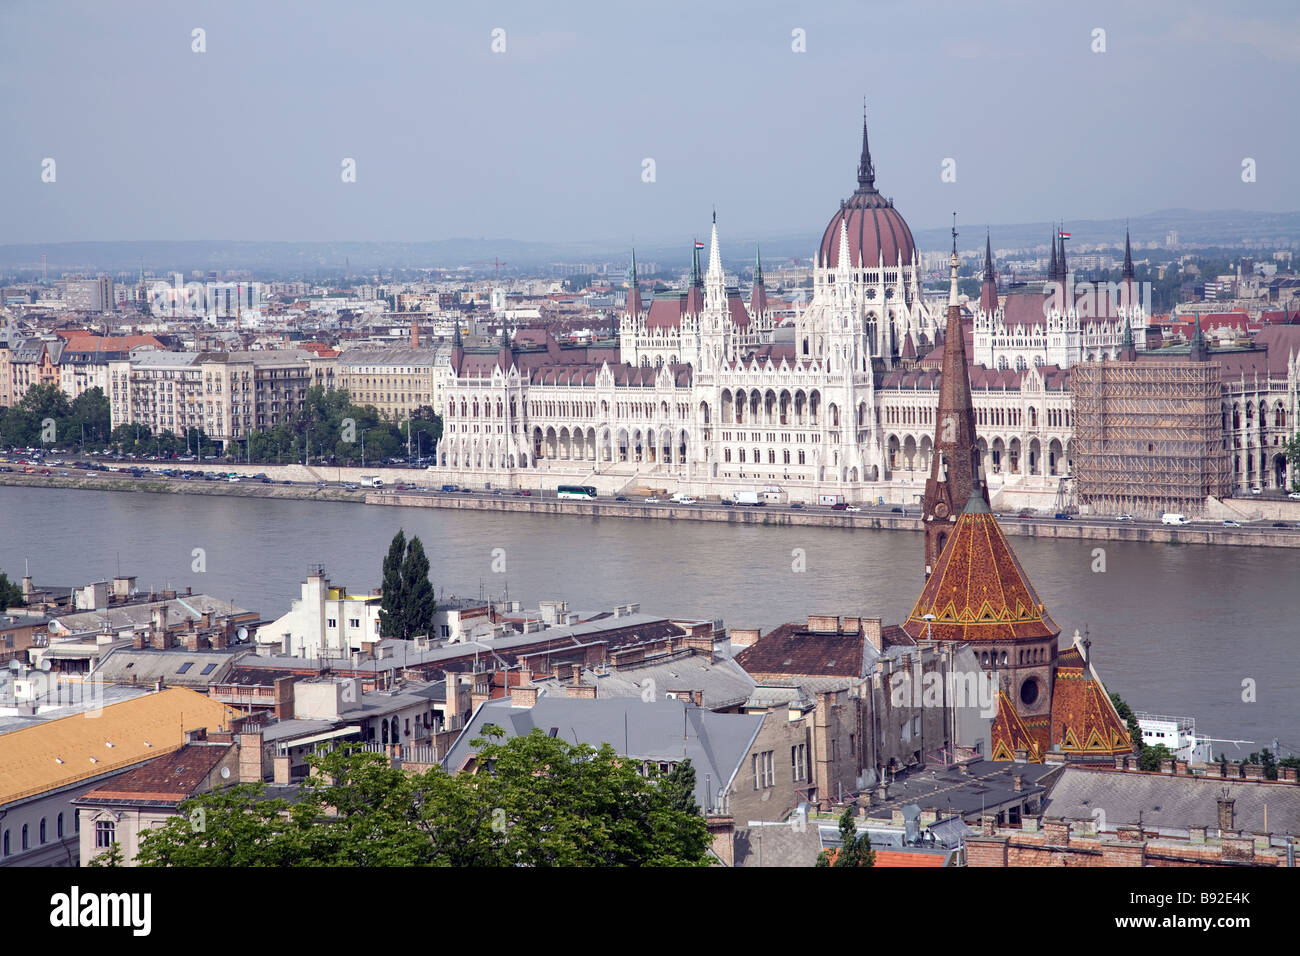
<point x="45" y="471"/>
<point x="1256" y="491"/>
<point x="1231" y="524"/>
<point x="797" y="506"/>
<point x="839" y="506"/>
<point x="685" y="500"/>
<point x="1123" y="517"/>
<point x="233" y="479"/>
<point x="1295" y="496"/>
<point x="652" y="500"/>
<point x="621" y="498"/>
<point x="1280" y="524"/>
<point x="350" y="486"/>
<point x="852" y="508"/>
<point x="896" y="511"/>
<point x="1024" y="514"/>
<point x="268" y="481"/>
<point x="1062" y="516"/>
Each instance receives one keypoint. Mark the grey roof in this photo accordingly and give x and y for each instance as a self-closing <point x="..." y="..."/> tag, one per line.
<point x="1173" y="801"/>
<point x="660" y="731"/>
<point x="987" y="784"/>
<point x="180" y="610"/>
<point x="160" y="359"/>
<point x="402" y="356"/>
<point x="410" y="656"/>
<point x="296" y="727"/>
<point x="724" y="683"/>
<point x="784" y="846"/>
<point x="125" y="665"/>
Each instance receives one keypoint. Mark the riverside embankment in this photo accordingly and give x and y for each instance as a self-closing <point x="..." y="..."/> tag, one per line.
<point x="1088" y="529"/>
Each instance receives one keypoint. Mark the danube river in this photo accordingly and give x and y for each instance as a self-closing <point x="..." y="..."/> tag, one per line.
<point x="1176" y="629"/>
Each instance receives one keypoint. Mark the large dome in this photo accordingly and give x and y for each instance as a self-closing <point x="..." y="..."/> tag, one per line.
<point x="876" y="230"/>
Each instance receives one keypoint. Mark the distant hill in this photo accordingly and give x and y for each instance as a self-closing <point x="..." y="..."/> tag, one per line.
<point x="1194" y="227"/>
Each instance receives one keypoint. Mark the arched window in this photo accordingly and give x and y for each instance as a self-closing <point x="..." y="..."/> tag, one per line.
<point x="42" y="831"/>
<point x="6" y="843"/>
<point x="58" y="826"/>
<point x="26" y="838"/>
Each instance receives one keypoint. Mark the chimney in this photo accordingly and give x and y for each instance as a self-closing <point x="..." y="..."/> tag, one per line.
<point x="523" y="696"/>
<point x="1254" y="771"/>
<point x="1017" y="782"/>
<point x="1057" y="832"/>
<point x="1180" y="767"/>
<point x="138" y="640"/>
<point x="250" y="758"/>
<point x="1167" y="765"/>
<point x="1121" y="762"/>
<point x="1287" y="774"/>
<point x="1196" y="834"/>
<point x="415" y="334"/>
<point x="1226" y="805"/>
<point x="988" y="824"/>
<point x="871" y="628"/>
<point x="577" y="674"/>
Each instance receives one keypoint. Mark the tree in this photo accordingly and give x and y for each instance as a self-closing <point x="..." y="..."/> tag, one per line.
<point x="11" y="595"/>
<point x="679" y="787"/>
<point x="392" y="599"/>
<point x="534" y="801"/>
<point x="1292" y="450"/>
<point x="1130" y="719"/>
<point x="1151" y="757"/>
<point x="418" y="603"/>
<point x="112" y="857"/>
<point x="854" y="850"/>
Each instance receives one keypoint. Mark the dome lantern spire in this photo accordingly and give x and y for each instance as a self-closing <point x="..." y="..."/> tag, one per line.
<point x="866" y="170"/>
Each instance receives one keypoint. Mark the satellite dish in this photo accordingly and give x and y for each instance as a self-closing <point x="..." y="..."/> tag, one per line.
<point x="225" y="773"/>
<point x="45" y="663"/>
<point x="15" y="665"/>
<point x="242" y="633"/>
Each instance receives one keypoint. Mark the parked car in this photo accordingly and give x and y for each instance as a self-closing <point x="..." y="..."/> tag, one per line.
<point x="1231" y="524"/>
<point x="233" y="479"/>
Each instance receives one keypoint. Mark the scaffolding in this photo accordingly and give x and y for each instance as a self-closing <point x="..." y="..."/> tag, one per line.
<point x="1149" y="436"/>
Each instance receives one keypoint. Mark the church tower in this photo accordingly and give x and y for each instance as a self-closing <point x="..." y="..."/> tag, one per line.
<point x="955" y="464"/>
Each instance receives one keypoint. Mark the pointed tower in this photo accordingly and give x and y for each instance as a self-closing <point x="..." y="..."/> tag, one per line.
<point x="633" y="293"/>
<point x="1127" y="350"/>
<point x="1198" y="352"/>
<point x="989" y="287"/>
<point x="1052" y="266"/>
<point x="866" y="169"/>
<point x="758" y="296"/>
<point x="1128" y="291"/>
<point x="955" y="467"/>
<point x="457" y="350"/>
<point x="715" y="281"/>
<point x="506" y="353"/>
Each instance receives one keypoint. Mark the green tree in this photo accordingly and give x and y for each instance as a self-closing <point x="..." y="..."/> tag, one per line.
<point x="855" y="849"/>
<point x="534" y="801"/>
<point x="392" y="602"/>
<point x="418" y="603"/>
<point x="679" y="788"/>
<point x="1292" y="450"/>
<point x="11" y="595"/>
<point x="112" y="857"/>
<point x="1130" y="719"/>
<point x="1151" y="757"/>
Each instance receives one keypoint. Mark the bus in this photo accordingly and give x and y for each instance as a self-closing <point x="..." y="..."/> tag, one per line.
<point x="585" y="492"/>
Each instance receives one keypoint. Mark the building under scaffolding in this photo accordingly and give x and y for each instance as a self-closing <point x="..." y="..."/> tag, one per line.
<point x="1149" y="436"/>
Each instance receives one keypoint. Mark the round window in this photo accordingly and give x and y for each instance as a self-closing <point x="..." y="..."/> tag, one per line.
<point x="1029" y="692"/>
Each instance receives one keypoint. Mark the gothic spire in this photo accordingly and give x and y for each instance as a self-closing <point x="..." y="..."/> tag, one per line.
<point x="758" y="264"/>
<point x="955" y="467"/>
<point x="989" y="287"/>
<point x="696" y="278"/>
<point x="1051" y="269"/>
<point x="1128" y="257"/>
<point x="633" y="292"/>
<point x="866" y="171"/>
<point x="988" y="257"/>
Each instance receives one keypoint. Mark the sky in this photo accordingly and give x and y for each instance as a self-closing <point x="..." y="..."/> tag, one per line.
<point x="753" y="108"/>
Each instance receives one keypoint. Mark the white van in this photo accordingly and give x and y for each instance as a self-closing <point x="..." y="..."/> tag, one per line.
<point x="371" y="481"/>
<point x="1175" y="519"/>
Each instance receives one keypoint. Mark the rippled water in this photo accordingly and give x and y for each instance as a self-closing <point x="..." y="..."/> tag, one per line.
<point x="1176" y="629"/>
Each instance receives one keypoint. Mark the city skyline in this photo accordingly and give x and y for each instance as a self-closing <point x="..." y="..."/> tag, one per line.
<point x="756" y="112"/>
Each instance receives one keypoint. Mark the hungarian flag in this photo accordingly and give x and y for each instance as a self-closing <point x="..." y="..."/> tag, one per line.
<point x="698" y="244"/>
<point x="1064" y="235"/>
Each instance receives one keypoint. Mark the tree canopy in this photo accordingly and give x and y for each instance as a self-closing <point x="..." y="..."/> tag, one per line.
<point x="854" y="849"/>
<point x="24" y="424"/>
<point x="407" y="604"/>
<point x="534" y="801"/>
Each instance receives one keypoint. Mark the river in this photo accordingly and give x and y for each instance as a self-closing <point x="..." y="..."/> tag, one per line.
<point x="1176" y="629"/>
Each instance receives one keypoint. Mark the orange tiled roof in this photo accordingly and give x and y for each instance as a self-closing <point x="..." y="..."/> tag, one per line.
<point x="1010" y="734"/>
<point x="978" y="590"/>
<point x="1084" y="720"/>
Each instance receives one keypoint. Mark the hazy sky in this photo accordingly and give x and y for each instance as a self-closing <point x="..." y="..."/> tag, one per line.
<point x="546" y="140"/>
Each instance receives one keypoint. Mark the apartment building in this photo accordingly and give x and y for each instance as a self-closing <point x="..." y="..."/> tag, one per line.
<point x="396" y="381"/>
